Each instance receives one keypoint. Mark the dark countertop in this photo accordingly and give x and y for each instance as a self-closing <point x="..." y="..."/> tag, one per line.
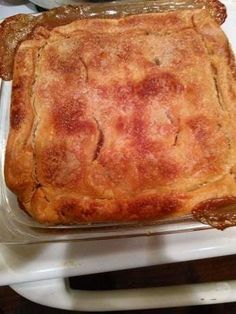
<point x="216" y="269"/>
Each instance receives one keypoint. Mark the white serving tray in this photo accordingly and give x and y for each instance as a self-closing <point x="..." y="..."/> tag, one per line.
<point x="56" y="293"/>
<point x="24" y="263"/>
<point x="27" y="263"/>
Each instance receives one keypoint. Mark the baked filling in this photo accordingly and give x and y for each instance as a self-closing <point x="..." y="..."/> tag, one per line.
<point x="124" y="119"/>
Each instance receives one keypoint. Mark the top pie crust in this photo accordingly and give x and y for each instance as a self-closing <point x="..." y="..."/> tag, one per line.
<point x="123" y="119"/>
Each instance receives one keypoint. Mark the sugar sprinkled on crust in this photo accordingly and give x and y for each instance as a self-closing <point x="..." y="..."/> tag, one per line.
<point x="131" y="120"/>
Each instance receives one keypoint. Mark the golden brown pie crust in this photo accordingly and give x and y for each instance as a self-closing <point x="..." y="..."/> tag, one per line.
<point x="123" y="119"/>
<point x="20" y="27"/>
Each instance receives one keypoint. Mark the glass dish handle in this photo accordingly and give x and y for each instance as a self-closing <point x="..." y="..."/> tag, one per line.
<point x="55" y="293"/>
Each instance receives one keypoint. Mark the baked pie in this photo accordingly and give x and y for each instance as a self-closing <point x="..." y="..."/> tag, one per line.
<point x="124" y="119"/>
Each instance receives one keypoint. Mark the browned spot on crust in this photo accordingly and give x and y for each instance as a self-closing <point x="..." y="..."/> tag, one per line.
<point x="59" y="167"/>
<point x="69" y="209"/>
<point x="168" y="169"/>
<point x="69" y="118"/>
<point x="52" y="159"/>
<point x="62" y="66"/>
<point x="121" y="124"/>
<point x="145" y="208"/>
<point x="116" y="165"/>
<point x="17" y="116"/>
<point x="139" y="127"/>
<point x="161" y="171"/>
<point x="17" y="107"/>
<point x="151" y="208"/>
<point x="123" y="93"/>
<point x="67" y="64"/>
<point x="200" y="126"/>
<point x="163" y="84"/>
<point x="203" y="130"/>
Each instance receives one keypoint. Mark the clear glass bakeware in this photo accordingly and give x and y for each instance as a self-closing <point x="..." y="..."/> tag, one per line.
<point x="18" y="228"/>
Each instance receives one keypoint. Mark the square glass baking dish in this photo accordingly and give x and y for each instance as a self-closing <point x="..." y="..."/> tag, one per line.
<point x="18" y="228"/>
